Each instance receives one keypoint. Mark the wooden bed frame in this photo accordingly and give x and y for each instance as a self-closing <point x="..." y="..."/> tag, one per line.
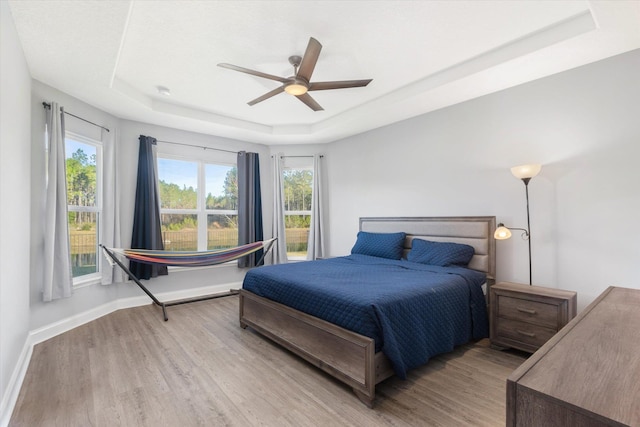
<point x="346" y="355"/>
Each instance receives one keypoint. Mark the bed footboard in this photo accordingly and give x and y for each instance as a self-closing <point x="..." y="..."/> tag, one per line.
<point x="343" y="354"/>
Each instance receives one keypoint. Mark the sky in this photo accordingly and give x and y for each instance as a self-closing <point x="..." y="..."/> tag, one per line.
<point x="185" y="173"/>
<point x="73" y="146"/>
<point x="180" y="172"/>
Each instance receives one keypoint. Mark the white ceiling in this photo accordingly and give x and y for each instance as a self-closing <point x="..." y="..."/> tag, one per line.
<point x="421" y="55"/>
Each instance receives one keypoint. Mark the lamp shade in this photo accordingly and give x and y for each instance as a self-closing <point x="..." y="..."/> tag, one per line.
<point x="502" y="232"/>
<point x="526" y="171"/>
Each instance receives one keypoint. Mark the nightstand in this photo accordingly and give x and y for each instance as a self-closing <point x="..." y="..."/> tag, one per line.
<point x="525" y="317"/>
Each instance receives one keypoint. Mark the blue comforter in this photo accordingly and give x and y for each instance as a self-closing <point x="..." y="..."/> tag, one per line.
<point x="412" y="311"/>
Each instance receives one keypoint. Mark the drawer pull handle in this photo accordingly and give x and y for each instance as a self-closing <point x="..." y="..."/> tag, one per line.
<point x="528" y="334"/>
<point x="526" y="310"/>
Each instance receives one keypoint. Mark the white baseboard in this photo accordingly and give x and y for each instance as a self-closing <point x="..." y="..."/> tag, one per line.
<point x="44" y="333"/>
<point x="10" y="396"/>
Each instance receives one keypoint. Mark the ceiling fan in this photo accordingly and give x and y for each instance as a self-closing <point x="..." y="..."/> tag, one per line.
<point x="300" y="83"/>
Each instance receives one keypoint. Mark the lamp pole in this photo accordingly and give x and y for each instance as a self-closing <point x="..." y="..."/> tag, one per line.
<point x="526" y="190"/>
<point x="525" y="173"/>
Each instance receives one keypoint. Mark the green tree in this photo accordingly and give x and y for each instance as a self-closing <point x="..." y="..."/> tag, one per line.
<point x="231" y="188"/>
<point x="229" y="198"/>
<point x="298" y="184"/>
<point x="297" y="189"/>
<point x="81" y="184"/>
<point x="174" y="197"/>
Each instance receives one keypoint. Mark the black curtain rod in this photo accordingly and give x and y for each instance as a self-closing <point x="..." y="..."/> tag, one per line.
<point x="198" y="146"/>
<point x="47" y="105"/>
<point x="299" y="157"/>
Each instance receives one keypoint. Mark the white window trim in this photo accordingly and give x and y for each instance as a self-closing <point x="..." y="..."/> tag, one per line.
<point x="298" y="165"/>
<point x="298" y="212"/>
<point x="93" y="278"/>
<point x="201" y="212"/>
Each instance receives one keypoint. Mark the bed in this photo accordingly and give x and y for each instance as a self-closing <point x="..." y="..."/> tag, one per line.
<point x="356" y="318"/>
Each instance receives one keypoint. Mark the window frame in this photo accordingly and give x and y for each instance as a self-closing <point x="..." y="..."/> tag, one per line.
<point x="298" y="165"/>
<point x="201" y="210"/>
<point x="92" y="278"/>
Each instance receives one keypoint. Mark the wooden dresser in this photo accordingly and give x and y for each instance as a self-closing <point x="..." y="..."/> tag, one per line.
<point x="525" y="317"/>
<point x="588" y="374"/>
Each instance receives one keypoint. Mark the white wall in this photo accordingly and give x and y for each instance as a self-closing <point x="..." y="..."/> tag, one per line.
<point x="15" y="176"/>
<point x="582" y="126"/>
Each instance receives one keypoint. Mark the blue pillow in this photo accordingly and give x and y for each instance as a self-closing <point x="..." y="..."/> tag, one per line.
<point x="382" y="245"/>
<point x="444" y="254"/>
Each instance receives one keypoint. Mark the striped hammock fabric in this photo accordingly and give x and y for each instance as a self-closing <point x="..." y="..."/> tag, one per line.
<point x="192" y="258"/>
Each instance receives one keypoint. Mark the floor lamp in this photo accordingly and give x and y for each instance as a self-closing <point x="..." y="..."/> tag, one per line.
<point x="525" y="173"/>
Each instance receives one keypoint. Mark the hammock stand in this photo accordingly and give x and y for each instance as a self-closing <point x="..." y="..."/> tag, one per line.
<point x="185" y="259"/>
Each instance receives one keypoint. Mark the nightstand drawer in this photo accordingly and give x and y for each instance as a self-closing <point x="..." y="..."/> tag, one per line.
<point x="524" y="332"/>
<point x="524" y="310"/>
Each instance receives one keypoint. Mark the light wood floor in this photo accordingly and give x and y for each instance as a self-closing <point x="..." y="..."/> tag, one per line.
<point x="200" y="368"/>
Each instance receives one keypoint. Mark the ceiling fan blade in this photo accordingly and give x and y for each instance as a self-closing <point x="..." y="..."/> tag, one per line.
<point x="309" y="59"/>
<point x="267" y="95"/>
<point x="253" y="72"/>
<point x="311" y="103"/>
<point x="338" y="84"/>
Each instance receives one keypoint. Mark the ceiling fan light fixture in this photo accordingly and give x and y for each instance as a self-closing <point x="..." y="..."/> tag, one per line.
<point x="295" y="89"/>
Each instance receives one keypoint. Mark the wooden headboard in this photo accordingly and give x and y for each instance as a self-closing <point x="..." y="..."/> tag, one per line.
<point x="476" y="231"/>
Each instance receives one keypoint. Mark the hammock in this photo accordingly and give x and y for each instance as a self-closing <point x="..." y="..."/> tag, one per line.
<point x="192" y="258"/>
<point x="184" y="259"/>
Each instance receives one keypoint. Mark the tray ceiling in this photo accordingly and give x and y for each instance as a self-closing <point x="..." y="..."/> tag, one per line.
<point x="421" y="55"/>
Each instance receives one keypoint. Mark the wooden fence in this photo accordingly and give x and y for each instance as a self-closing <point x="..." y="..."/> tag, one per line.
<point x="83" y="243"/>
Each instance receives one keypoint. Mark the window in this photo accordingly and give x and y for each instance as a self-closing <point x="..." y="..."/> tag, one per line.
<point x="84" y="181"/>
<point x="298" y="185"/>
<point x="198" y="204"/>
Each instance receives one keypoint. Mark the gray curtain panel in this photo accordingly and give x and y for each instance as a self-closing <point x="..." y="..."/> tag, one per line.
<point x="279" y="251"/>
<point x="111" y="211"/>
<point x="315" y="247"/>
<point x="249" y="206"/>
<point x="58" y="278"/>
